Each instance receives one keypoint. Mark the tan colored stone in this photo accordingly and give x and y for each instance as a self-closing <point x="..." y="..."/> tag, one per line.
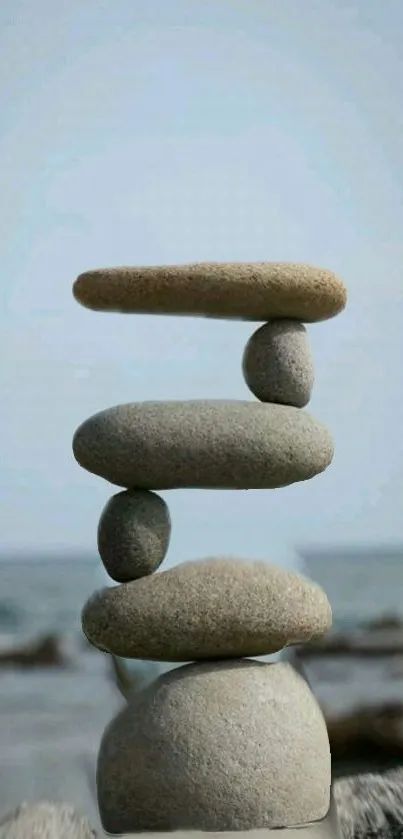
<point x="133" y="534"/>
<point x="214" y="608"/>
<point x="278" y="365"/>
<point x="216" y="747"/>
<point x="245" y="291"/>
<point x="203" y="444"/>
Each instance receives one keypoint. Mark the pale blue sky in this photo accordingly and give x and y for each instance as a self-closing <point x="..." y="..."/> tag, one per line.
<point x="150" y="132"/>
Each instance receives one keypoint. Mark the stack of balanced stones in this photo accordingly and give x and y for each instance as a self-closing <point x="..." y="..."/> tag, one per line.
<point x="223" y="742"/>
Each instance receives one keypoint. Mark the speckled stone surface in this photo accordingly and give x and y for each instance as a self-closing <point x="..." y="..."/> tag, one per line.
<point x="278" y="364"/>
<point x="223" y="746"/>
<point x="44" y="820"/>
<point x="245" y="291"/>
<point x="213" y="608"/>
<point x="133" y="534"/>
<point x="203" y="444"/>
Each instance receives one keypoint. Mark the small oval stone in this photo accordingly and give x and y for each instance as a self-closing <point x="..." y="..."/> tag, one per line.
<point x="211" y="609"/>
<point x="253" y="291"/>
<point x="278" y="365"/>
<point x="214" y="444"/>
<point x="133" y="534"/>
<point x="216" y="747"/>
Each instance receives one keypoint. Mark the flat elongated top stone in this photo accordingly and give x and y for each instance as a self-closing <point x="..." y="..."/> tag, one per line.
<point x="243" y="291"/>
<point x="216" y="608"/>
<point x="203" y="444"/>
<point x="216" y="747"/>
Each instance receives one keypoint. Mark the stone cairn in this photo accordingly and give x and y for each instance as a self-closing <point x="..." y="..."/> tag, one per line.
<point x="223" y="742"/>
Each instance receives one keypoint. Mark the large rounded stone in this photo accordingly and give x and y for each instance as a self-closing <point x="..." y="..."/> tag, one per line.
<point x="216" y="608"/>
<point x="217" y="747"/>
<point x="133" y="534"/>
<point x="245" y="291"/>
<point x="278" y="365"/>
<point x="203" y="444"/>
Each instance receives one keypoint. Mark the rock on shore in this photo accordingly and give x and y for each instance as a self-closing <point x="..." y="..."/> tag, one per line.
<point x="45" y="821"/>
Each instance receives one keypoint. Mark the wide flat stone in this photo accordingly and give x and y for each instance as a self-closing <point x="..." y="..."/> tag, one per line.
<point x="203" y="444"/>
<point x="133" y="534"/>
<point x="214" y="608"/>
<point x="278" y="364"/>
<point x="244" y="291"/>
<point x="216" y="747"/>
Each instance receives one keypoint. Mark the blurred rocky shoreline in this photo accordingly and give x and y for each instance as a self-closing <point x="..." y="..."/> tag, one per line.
<point x="357" y="676"/>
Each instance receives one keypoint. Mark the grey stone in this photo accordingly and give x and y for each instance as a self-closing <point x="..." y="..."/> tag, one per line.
<point x="245" y="291"/>
<point x="278" y="365"/>
<point x="214" y="608"/>
<point x="45" y="820"/>
<point x="203" y="444"/>
<point x="133" y="534"/>
<point x="224" y="746"/>
<point x="371" y="805"/>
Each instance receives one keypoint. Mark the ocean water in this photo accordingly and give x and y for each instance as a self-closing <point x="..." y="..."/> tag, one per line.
<point x="51" y="721"/>
<point x="46" y="596"/>
<point x="360" y="584"/>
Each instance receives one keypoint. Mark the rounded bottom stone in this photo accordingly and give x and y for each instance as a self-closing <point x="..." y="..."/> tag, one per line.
<point x="217" y="747"/>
